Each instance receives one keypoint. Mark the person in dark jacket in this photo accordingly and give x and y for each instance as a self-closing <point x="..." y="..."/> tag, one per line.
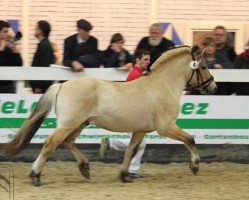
<point x="225" y="56"/>
<point x="242" y="62"/>
<point x="116" y="56"/>
<point x="44" y="55"/>
<point x="155" y="43"/>
<point x="9" y="56"/>
<point x="80" y="49"/>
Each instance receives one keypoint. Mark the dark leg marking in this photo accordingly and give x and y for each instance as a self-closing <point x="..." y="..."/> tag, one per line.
<point x="191" y="142"/>
<point x="124" y="177"/>
<point x="35" y="178"/>
<point x="84" y="170"/>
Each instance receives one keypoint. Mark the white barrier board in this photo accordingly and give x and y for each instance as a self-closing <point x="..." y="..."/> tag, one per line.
<point x="210" y="119"/>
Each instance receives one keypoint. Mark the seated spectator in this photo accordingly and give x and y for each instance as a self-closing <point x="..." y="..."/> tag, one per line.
<point x="209" y="53"/>
<point x="9" y="56"/>
<point x="242" y="62"/>
<point x="115" y="55"/>
<point x="56" y="53"/>
<point x="80" y="49"/>
<point x="224" y="56"/>
<point x="44" y="55"/>
<point x="155" y="43"/>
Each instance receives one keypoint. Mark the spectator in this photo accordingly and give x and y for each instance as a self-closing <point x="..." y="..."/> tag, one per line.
<point x="80" y="49"/>
<point x="209" y="53"/>
<point x="155" y="43"/>
<point x="9" y="56"/>
<point x="115" y="55"/>
<point x="242" y="62"/>
<point x="142" y="61"/>
<point x="225" y="56"/>
<point x="44" y="55"/>
<point x="56" y="52"/>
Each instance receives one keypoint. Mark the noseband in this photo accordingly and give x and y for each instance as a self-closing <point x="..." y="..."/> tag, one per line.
<point x="202" y="85"/>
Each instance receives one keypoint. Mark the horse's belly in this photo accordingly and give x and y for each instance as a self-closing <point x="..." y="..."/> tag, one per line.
<point x="121" y="125"/>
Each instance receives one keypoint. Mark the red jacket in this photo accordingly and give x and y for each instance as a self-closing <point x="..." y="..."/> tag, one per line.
<point x="134" y="74"/>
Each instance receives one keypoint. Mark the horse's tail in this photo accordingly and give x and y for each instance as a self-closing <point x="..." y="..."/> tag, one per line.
<point x="33" y="123"/>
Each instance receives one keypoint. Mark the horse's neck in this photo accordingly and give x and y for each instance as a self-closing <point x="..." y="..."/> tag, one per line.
<point x="173" y="75"/>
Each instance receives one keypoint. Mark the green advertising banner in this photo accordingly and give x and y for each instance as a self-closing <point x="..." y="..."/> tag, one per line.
<point x="210" y="119"/>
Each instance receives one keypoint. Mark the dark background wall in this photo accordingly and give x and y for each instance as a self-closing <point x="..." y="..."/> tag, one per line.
<point x="153" y="153"/>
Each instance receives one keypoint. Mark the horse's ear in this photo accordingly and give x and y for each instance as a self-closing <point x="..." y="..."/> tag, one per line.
<point x="195" y="48"/>
<point x="193" y="51"/>
<point x="194" y="64"/>
<point x="203" y="50"/>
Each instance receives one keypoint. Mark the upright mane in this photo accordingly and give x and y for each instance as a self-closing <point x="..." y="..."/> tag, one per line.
<point x="169" y="54"/>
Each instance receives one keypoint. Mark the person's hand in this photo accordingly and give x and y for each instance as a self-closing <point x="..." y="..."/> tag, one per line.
<point x="127" y="67"/>
<point x="77" y="67"/>
<point x="217" y="66"/>
<point x="13" y="47"/>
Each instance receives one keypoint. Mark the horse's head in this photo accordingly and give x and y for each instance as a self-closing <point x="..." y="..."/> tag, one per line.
<point x="199" y="76"/>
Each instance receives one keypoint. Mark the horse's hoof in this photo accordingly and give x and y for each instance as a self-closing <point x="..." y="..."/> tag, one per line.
<point x="125" y="178"/>
<point x="35" y="178"/>
<point x="194" y="166"/>
<point x="85" y="170"/>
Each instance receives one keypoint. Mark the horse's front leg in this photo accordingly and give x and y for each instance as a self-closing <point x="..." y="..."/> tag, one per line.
<point x="130" y="152"/>
<point x="176" y="133"/>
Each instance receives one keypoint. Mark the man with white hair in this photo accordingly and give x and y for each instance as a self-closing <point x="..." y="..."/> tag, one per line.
<point x="155" y="43"/>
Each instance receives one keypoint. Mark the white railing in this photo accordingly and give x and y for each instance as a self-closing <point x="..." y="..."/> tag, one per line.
<point x="57" y="73"/>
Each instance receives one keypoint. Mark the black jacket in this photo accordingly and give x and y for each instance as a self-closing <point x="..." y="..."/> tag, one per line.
<point x="114" y="59"/>
<point x="43" y="57"/>
<point x="156" y="51"/>
<point x="73" y="50"/>
<point x="8" y="58"/>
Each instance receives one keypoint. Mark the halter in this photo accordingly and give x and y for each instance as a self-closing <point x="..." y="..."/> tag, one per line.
<point x="202" y="85"/>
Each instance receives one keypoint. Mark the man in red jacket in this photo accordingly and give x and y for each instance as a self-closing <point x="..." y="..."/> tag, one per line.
<point x="142" y="61"/>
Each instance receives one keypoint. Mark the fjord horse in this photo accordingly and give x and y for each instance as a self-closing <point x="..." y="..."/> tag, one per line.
<point x="149" y="103"/>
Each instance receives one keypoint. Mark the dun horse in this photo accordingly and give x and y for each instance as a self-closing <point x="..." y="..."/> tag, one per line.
<point x="149" y="103"/>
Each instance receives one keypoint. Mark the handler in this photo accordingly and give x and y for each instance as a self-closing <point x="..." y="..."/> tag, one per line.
<point x="142" y="61"/>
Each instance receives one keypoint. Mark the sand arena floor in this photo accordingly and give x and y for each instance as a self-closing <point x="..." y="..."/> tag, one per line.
<point x="62" y="180"/>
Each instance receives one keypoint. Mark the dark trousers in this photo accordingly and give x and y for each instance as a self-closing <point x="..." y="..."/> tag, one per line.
<point x="7" y="87"/>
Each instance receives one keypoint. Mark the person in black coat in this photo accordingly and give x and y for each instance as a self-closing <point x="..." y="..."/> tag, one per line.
<point x="115" y="55"/>
<point x="44" y="55"/>
<point x="242" y="62"/>
<point x="9" y="56"/>
<point x="225" y="56"/>
<point x="80" y="49"/>
<point x="155" y="43"/>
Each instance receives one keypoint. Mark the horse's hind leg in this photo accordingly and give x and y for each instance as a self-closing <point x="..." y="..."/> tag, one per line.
<point x="69" y="143"/>
<point x="176" y="133"/>
<point x="130" y="152"/>
<point x="56" y="138"/>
